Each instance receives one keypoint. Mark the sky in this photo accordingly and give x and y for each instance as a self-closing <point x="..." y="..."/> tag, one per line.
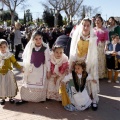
<point x="107" y="8"/>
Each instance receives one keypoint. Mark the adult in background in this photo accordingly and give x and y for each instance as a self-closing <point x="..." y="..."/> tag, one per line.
<point x="12" y="35"/>
<point x="113" y="28"/>
<point x="17" y="40"/>
<point x="102" y="34"/>
<point x="65" y="40"/>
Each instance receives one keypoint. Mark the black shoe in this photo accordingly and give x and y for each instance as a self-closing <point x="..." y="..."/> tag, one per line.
<point x="21" y="102"/>
<point x="48" y="99"/>
<point x="94" y="106"/>
<point x="42" y="101"/>
<point x="11" y="101"/>
<point x="2" y="102"/>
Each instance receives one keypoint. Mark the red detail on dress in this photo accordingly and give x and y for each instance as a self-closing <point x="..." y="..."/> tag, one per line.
<point x="62" y="68"/>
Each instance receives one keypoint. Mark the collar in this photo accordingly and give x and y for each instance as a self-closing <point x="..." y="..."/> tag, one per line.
<point x="37" y="48"/>
<point x="82" y="37"/>
<point x="79" y="75"/>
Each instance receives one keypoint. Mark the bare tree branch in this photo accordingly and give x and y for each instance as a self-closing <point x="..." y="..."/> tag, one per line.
<point x="74" y="6"/>
<point x="12" y="4"/>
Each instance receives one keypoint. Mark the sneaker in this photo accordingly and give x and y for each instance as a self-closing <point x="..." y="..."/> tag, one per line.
<point x="109" y="81"/>
<point x="117" y="82"/>
<point x="2" y="102"/>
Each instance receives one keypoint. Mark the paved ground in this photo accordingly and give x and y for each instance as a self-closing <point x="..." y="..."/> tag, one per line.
<point x="109" y="107"/>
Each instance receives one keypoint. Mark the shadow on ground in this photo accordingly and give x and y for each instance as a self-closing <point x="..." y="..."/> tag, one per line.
<point x="109" y="107"/>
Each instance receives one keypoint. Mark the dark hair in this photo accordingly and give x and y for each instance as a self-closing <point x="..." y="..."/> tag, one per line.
<point x="112" y="19"/>
<point x="56" y="47"/>
<point x="114" y="36"/>
<point x="81" y="64"/>
<point x="87" y="19"/>
<point x="100" y="19"/>
<point x="68" y="29"/>
<point x="3" y="42"/>
<point x="97" y="15"/>
<point x="35" y="33"/>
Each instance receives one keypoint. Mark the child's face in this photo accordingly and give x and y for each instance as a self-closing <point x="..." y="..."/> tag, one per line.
<point x="38" y="41"/>
<point x="78" y="69"/>
<point x="58" y="53"/>
<point x="116" y="39"/>
<point x="3" y="48"/>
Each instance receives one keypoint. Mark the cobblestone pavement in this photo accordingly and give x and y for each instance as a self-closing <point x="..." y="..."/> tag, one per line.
<point x="109" y="107"/>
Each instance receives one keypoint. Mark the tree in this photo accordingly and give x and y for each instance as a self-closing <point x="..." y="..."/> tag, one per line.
<point x="65" y="20"/>
<point x="7" y="16"/>
<point x="57" y="7"/>
<point x="24" y="18"/>
<point x="48" y="18"/>
<point x="12" y="4"/>
<point x="60" y="20"/>
<point x="28" y="15"/>
<point x="73" y="7"/>
<point x="87" y="11"/>
<point x="38" y="20"/>
<point x="31" y="18"/>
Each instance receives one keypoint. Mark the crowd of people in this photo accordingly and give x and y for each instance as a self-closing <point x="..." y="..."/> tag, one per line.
<point x="63" y="64"/>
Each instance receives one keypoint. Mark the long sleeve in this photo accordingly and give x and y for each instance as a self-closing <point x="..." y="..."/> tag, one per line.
<point x="47" y="59"/>
<point x="107" y="52"/>
<point x="14" y="62"/>
<point x="118" y="53"/>
<point x="67" y="78"/>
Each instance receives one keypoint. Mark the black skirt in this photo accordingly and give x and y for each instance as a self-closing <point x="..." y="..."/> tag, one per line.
<point x="111" y="63"/>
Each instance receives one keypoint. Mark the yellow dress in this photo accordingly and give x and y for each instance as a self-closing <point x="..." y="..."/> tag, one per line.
<point x="82" y="48"/>
<point x="8" y="85"/>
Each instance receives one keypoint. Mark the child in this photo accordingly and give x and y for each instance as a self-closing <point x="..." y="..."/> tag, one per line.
<point x="59" y="67"/>
<point x="8" y="85"/>
<point x="36" y="62"/>
<point x="78" y="98"/>
<point x="113" y="58"/>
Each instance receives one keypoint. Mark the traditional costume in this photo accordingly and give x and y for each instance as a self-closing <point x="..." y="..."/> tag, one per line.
<point x="102" y="34"/>
<point x="85" y="49"/>
<point x="77" y="93"/>
<point x="8" y="84"/>
<point x="59" y="68"/>
<point x="36" y="62"/>
<point x="113" y="62"/>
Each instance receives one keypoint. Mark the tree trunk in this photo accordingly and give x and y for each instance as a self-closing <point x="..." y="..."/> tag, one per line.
<point x="12" y="18"/>
<point x="68" y="17"/>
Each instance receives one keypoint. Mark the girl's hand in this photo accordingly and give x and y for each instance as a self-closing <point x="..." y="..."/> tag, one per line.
<point x="114" y="53"/>
<point x="63" y="83"/>
<point x="48" y="74"/>
<point x="66" y="72"/>
<point x="94" y="81"/>
<point x="56" y="78"/>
